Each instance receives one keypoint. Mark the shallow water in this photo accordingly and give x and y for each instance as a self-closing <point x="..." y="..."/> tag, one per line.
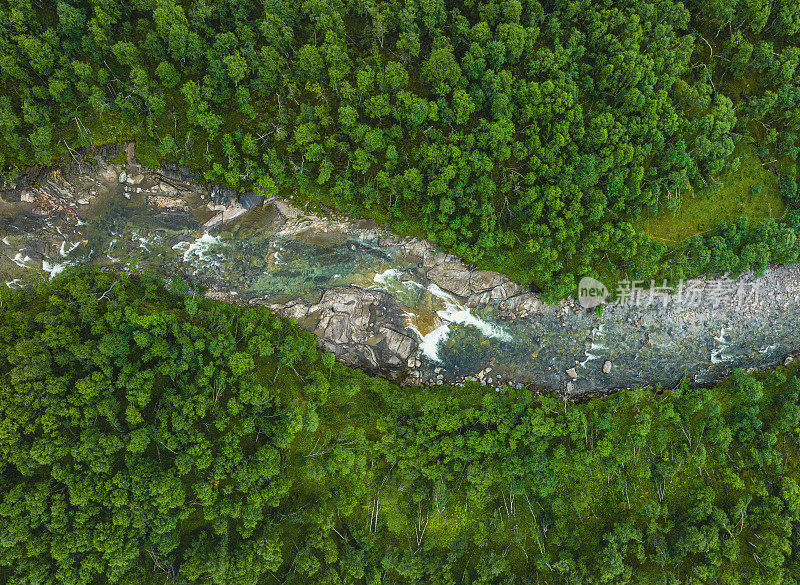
<point x="272" y="258"/>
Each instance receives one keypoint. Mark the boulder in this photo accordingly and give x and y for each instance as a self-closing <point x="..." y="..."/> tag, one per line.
<point x="484" y="280"/>
<point x="571" y="373"/>
<point x="363" y="328"/>
<point x="221" y="195"/>
<point x="227" y="214"/>
<point x="506" y="290"/>
<point x="285" y="209"/>
<point x="454" y="280"/>
<point x="109" y="174"/>
<point x="167" y="188"/>
<point x="607" y="367"/>
<point x="398" y="345"/>
<point x="250" y="200"/>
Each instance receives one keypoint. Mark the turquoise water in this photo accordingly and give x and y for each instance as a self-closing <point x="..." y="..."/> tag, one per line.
<point x="267" y="257"/>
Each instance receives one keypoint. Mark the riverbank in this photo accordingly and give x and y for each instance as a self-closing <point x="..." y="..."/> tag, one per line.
<point x="389" y="305"/>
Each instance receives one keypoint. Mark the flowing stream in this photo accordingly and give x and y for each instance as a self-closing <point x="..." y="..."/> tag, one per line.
<point x="389" y="305"/>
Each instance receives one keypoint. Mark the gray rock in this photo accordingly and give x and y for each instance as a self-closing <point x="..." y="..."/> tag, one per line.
<point x="226" y="215"/>
<point x="571" y="373"/>
<point x="484" y="280"/>
<point x="250" y="200"/>
<point x="397" y="344"/>
<point x="607" y="367"/>
<point x="109" y="174"/>
<point x="167" y="188"/>
<point x="506" y="290"/>
<point x="363" y="328"/>
<point x="223" y="195"/>
<point x="452" y="279"/>
<point x="123" y="176"/>
<point x="285" y="209"/>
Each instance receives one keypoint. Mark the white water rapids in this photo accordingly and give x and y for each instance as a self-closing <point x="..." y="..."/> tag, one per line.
<point x="453" y="313"/>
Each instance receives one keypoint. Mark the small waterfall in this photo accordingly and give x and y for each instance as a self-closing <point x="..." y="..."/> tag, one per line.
<point x="453" y="313"/>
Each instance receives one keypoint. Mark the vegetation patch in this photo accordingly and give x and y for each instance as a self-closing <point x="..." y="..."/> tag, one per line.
<point x="521" y="136"/>
<point x="751" y="190"/>
<point x="148" y="436"/>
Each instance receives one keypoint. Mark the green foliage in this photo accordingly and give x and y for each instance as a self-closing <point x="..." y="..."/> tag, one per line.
<point x="142" y="442"/>
<point x="524" y="136"/>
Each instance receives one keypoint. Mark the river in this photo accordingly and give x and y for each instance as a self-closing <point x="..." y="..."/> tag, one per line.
<point x="389" y="305"/>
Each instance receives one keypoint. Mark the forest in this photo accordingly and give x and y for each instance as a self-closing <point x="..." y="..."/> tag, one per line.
<point x="522" y="135"/>
<point x="148" y="435"/>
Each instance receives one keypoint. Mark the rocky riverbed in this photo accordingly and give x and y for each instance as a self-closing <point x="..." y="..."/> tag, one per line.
<point x="389" y="305"/>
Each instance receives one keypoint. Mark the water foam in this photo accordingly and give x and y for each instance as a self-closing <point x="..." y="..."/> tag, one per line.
<point x="53" y="269"/>
<point x="21" y="261"/>
<point x="64" y="251"/>
<point x="200" y="249"/>
<point x="454" y="313"/>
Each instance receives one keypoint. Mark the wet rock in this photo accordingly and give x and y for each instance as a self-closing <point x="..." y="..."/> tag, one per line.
<point x="789" y="359"/>
<point x="36" y="249"/>
<point x="484" y="280"/>
<point x="250" y="200"/>
<point x="506" y="290"/>
<point x="571" y="373"/>
<point x="363" y="328"/>
<point x="607" y="367"/>
<point x="228" y="214"/>
<point x="109" y="174"/>
<point x="135" y="180"/>
<point x="167" y="188"/>
<point x="453" y="280"/>
<point x="167" y="203"/>
<point x="123" y="176"/>
<point x="27" y="197"/>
